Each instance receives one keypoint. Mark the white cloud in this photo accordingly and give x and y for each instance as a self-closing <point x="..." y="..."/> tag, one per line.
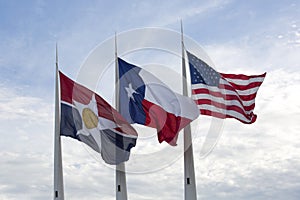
<point x="273" y="46"/>
<point x="19" y="107"/>
<point x="185" y="11"/>
<point x="258" y="161"/>
<point x="23" y="174"/>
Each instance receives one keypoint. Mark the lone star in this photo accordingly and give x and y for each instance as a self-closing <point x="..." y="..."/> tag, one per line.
<point x="130" y="91"/>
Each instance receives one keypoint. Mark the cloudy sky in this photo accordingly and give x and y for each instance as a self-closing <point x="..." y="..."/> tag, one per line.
<point x="258" y="161"/>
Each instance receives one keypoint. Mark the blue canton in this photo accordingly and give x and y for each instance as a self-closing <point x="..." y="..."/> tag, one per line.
<point x="201" y="72"/>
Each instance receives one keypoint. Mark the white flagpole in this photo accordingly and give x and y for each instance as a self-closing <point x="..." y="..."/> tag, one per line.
<point x="121" y="188"/>
<point x="190" y="192"/>
<point x="58" y="172"/>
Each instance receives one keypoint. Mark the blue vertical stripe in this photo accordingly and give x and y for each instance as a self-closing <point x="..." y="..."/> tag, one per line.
<point x="131" y="108"/>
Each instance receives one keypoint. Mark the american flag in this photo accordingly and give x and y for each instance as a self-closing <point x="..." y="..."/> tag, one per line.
<point x="223" y="95"/>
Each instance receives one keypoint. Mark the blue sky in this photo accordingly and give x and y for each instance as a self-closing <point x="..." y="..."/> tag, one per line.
<point x="258" y="161"/>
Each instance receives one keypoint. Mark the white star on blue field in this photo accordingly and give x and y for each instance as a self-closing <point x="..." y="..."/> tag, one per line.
<point x="258" y="161"/>
<point x="130" y="91"/>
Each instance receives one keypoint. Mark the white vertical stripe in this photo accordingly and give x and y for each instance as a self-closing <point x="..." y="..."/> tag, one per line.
<point x="159" y="94"/>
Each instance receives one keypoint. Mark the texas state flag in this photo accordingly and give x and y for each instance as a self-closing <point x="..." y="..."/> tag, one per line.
<point x="87" y="117"/>
<point x="145" y="100"/>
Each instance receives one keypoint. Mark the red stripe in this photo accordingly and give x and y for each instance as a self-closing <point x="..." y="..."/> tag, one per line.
<point x="225" y="96"/>
<point x="241" y="76"/>
<point x="108" y="112"/>
<point x="72" y="91"/>
<point x="233" y="87"/>
<point x="226" y="106"/>
<point x="167" y="124"/>
<point x="222" y="116"/>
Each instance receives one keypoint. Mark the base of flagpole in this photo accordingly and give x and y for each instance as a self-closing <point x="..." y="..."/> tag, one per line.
<point x="190" y="192"/>
<point x="121" y="188"/>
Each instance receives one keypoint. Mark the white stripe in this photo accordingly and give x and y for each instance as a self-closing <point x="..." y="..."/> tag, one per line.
<point x="248" y="92"/>
<point x="215" y="88"/>
<point x="221" y="100"/>
<point x="104" y="123"/>
<point x="124" y="135"/>
<point x="224" y="112"/>
<point x="68" y="104"/>
<point x="91" y="132"/>
<point x="225" y="92"/>
<point x="158" y="93"/>
<point x="241" y="92"/>
<point x="245" y="82"/>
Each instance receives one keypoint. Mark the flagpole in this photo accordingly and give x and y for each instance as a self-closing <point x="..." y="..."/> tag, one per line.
<point x="58" y="172"/>
<point x="121" y="188"/>
<point x="190" y="192"/>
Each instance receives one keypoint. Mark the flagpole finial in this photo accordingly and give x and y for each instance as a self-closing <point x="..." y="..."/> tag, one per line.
<point x="116" y="46"/>
<point x="115" y="37"/>
<point x="56" y="56"/>
<point x="181" y="24"/>
<point x="181" y="30"/>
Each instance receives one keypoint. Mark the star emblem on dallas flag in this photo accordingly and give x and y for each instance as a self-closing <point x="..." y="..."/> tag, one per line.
<point x="90" y="120"/>
<point x="130" y="91"/>
<point x="92" y="123"/>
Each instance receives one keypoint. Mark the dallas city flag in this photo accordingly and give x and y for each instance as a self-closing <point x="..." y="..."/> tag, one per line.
<point x="87" y="117"/>
<point x="223" y="95"/>
<point x="145" y="100"/>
